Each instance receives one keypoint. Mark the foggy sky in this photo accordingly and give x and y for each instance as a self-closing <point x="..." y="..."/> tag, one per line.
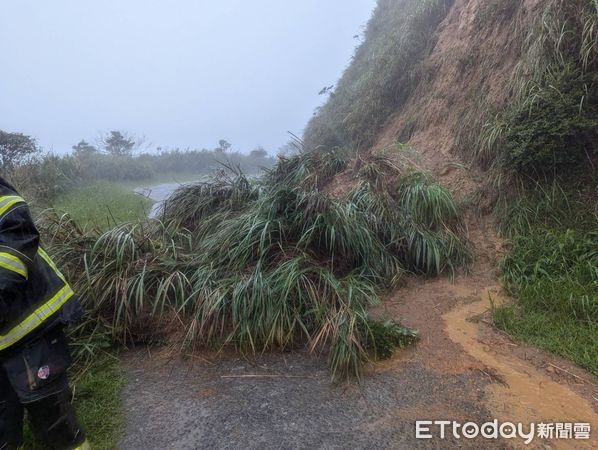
<point x="182" y="73"/>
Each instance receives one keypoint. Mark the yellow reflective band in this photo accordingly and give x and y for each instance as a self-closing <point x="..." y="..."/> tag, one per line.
<point x="11" y="262"/>
<point x="36" y="318"/>
<point x="49" y="262"/>
<point x="8" y="201"/>
<point x="84" y="446"/>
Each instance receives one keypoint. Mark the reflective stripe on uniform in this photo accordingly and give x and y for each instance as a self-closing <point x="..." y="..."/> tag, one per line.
<point x="11" y="262"/>
<point x="9" y="200"/>
<point x="36" y="318"/>
<point x="84" y="446"/>
<point x="49" y="262"/>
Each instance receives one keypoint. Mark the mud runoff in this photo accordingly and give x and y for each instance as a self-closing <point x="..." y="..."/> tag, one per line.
<point x="524" y="384"/>
<point x="524" y="392"/>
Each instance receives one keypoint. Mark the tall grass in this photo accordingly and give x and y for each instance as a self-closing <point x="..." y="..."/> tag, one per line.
<point x="269" y="263"/>
<point x="552" y="270"/>
<point x="541" y="149"/>
<point x="384" y="71"/>
<point x="550" y="121"/>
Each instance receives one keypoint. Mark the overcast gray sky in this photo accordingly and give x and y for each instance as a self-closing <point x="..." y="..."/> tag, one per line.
<point x="180" y="72"/>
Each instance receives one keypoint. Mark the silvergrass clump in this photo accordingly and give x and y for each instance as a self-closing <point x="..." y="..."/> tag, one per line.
<point x="269" y="263"/>
<point x="224" y="192"/>
<point x="432" y="227"/>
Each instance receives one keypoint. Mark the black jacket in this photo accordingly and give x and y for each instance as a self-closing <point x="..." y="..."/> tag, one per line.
<point x="34" y="296"/>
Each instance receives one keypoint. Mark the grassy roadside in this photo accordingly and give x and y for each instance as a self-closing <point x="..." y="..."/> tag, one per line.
<point x="98" y="402"/>
<point x="552" y="271"/>
<point x="105" y="204"/>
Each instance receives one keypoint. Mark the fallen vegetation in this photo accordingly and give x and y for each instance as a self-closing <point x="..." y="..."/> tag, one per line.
<point x="533" y="137"/>
<point x="267" y="263"/>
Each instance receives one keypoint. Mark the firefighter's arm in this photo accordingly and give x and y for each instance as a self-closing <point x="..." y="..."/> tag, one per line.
<point x="19" y="241"/>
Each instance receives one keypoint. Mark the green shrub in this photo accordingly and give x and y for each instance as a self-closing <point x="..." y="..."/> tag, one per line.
<point x="98" y="166"/>
<point x="44" y="178"/>
<point x="558" y="132"/>
<point x="549" y="124"/>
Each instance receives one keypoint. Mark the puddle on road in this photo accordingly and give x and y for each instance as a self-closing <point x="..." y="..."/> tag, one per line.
<point x="527" y="395"/>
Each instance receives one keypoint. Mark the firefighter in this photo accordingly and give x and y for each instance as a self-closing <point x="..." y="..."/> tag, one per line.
<point x="36" y="303"/>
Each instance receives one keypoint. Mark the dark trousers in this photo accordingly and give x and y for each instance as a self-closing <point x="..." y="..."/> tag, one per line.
<point x="33" y="379"/>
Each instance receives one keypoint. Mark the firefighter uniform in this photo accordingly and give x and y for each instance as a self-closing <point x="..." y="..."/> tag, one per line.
<point x="36" y="303"/>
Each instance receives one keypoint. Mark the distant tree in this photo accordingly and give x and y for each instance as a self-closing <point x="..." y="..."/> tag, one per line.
<point x="84" y="148"/>
<point x="258" y="152"/>
<point x="14" y="148"/>
<point x="223" y="146"/>
<point x="118" y="144"/>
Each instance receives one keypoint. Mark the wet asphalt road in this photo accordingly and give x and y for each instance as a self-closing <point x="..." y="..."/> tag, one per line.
<point x="287" y="402"/>
<point x="158" y="194"/>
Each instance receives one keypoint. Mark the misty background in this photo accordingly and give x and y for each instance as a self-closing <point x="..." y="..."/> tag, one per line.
<point x="181" y="73"/>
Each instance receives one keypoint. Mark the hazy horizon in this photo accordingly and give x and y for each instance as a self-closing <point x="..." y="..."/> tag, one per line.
<point x="181" y="74"/>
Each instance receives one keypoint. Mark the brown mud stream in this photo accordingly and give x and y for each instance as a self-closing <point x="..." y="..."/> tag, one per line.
<point x="523" y="393"/>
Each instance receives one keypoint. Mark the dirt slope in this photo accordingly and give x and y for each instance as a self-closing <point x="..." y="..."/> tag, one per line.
<point x="478" y="45"/>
